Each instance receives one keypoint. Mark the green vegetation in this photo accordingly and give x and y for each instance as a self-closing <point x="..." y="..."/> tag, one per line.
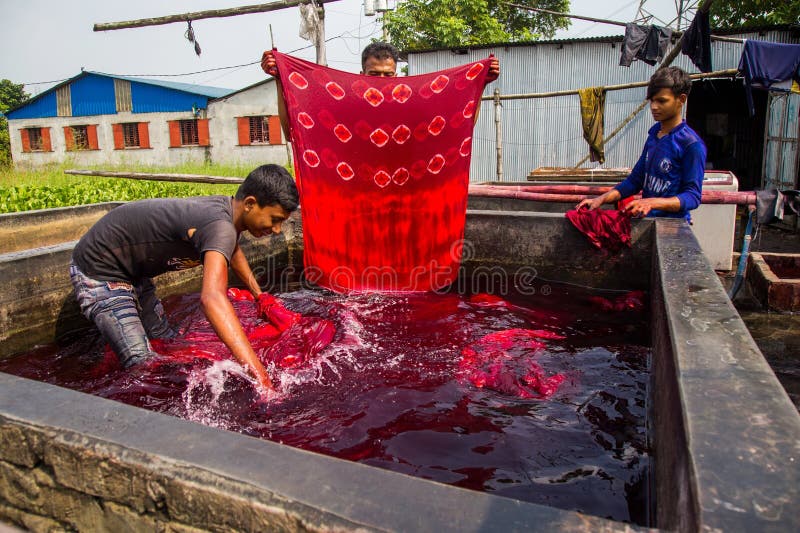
<point x="48" y="187"/>
<point x="753" y="13"/>
<point x="423" y="24"/>
<point x="11" y="95"/>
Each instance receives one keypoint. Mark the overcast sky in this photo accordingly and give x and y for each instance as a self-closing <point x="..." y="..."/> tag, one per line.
<point x="50" y="40"/>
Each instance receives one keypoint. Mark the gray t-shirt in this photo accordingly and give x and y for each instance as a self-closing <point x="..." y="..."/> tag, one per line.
<point x="149" y="237"/>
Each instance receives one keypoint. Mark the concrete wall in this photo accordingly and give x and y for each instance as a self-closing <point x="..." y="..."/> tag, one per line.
<point x="725" y="438"/>
<point x="258" y="100"/>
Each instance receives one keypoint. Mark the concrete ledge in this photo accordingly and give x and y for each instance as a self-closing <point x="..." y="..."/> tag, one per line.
<point x="157" y="471"/>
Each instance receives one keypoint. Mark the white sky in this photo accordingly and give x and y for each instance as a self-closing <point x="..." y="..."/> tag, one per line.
<point x="44" y="40"/>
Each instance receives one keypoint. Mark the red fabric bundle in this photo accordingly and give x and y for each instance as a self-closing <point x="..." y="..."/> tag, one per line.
<point x="382" y="167"/>
<point x="605" y="228"/>
<point x="489" y="363"/>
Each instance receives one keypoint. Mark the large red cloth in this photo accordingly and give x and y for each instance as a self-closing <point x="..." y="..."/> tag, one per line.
<point x="605" y="228"/>
<point x="382" y="167"/>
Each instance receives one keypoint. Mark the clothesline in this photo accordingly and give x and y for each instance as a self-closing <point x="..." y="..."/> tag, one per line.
<point x="731" y="72"/>
<point x="612" y="22"/>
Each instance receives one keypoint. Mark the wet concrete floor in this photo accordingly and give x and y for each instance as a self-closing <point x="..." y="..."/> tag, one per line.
<point x="776" y="334"/>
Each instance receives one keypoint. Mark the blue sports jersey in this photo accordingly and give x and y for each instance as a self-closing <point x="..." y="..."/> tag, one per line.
<point x="670" y="166"/>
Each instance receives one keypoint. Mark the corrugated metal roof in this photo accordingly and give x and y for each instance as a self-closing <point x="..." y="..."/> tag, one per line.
<point x="39" y="106"/>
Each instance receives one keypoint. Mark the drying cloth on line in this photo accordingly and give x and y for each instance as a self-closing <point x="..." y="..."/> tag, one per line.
<point x="382" y="168"/>
<point x="593" y="103"/>
<point x="645" y="43"/>
<point x="766" y="64"/>
<point x="696" y="42"/>
<point x="608" y="229"/>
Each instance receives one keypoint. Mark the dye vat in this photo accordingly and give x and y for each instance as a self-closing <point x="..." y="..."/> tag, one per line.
<point x="721" y="433"/>
<point x="774" y="279"/>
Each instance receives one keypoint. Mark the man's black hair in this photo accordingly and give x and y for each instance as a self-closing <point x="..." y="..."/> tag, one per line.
<point x="379" y="50"/>
<point x="672" y="78"/>
<point x="270" y="184"/>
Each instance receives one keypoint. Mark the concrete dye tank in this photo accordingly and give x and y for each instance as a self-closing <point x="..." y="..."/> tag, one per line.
<point x="725" y="436"/>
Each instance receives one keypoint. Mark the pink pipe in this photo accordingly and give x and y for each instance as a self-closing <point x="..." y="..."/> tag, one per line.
<point x="570" y="194"/>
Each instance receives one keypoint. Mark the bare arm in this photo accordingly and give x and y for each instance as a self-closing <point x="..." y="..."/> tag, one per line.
<point x="605" y="198"/>
<point x="243" y="271"/>
<point x="219" y="311"/>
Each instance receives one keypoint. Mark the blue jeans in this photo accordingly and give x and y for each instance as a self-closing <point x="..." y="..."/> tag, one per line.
<point x="125" y="313"/>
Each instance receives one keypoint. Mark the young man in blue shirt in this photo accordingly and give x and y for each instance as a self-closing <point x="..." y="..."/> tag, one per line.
<point x="670" y="170"/>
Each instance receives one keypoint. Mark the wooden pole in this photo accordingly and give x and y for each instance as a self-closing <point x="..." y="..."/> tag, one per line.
<point x="320" y="44"/>
<point x="498" y="132"/>
<point x="191" y="178"/>
<point x="197" y="15"/>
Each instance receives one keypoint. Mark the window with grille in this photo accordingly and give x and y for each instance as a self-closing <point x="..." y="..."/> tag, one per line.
<point x="130" y="135"/>
<point x="35" y="138"/>
<point x="80" y="137"/>
<point x="189" y="132"/>
<point x="259" y="130"/>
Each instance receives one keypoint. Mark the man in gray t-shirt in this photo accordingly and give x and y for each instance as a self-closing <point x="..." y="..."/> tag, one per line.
<point x="114" y="262"/>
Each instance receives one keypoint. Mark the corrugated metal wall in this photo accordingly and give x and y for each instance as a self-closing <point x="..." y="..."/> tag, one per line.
<point x="92" y="95"/>
<point x="45" y="106"/>
<point x="547" y="131"/>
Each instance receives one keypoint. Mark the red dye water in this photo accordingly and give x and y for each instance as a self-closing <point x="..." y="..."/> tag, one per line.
<point x="539" y="398"/>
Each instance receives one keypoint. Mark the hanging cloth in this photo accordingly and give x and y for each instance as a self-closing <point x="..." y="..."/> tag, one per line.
<point x="608" y="229"/>
<point x="593" y="103"/>
<point x="696" y="42"/>
<point x="645" y="43"/>
<point x="382" y="168"/>
<point x="765" y="64"/>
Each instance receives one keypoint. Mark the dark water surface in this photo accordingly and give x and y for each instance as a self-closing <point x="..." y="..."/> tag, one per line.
<point x="391" y="391"/>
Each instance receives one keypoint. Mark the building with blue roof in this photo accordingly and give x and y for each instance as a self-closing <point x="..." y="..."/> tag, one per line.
<point x="96" y="118"/>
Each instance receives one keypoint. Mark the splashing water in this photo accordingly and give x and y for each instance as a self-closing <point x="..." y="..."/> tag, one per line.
<point x="539" y="398"/>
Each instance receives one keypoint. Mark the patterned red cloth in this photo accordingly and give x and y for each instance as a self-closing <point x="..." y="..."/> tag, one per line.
<point x="605" y="228"/>
<point x="382" y="167"/>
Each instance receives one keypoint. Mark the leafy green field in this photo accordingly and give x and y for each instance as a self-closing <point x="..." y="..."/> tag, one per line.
<point x="23" y="190"/>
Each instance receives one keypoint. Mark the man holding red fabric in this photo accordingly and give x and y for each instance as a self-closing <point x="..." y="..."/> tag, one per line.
<point x="377" y="59"/>
<point x="114" y="262"/>
<point x="670" y="171"/>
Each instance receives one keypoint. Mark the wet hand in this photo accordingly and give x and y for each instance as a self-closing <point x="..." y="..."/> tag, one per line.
<point x="639" y="208"/>
<point x="268" y="63"/>
<point x="494" y="71"/>
<point x="590" y="203"/>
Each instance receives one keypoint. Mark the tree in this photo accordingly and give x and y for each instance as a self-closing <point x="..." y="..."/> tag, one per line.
<point x="744" y="13"/>
<point x="421" y="24"/>
<point x="11" y="95"/>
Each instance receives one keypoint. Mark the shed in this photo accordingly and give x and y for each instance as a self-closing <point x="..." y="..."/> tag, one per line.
<point x="96" y="118"/>
<point x="546" y="132"/>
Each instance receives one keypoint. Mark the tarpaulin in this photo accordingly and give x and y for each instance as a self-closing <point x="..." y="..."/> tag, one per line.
<point x="382" y="167"/>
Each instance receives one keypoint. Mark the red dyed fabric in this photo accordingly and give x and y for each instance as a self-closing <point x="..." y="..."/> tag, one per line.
<point x="382" y="167"/>
<point x="503" y="361"/>
<point x="605" y="228"/>
<point x="630" y="301"/>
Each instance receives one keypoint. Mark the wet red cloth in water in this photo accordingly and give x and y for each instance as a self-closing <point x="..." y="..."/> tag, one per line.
<point x="289" y="341"/>
<point x="503" y="361"/>
<point x="605" y="228"/>
<point x="382" y="167"/>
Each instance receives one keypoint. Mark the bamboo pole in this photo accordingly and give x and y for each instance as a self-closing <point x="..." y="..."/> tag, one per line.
<point x="731" y="72"/>
<point x="197" y="15"/>
<point x="498" y="132"/>
<point x="191" y="178"/>
<point x="611" y="22"/>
